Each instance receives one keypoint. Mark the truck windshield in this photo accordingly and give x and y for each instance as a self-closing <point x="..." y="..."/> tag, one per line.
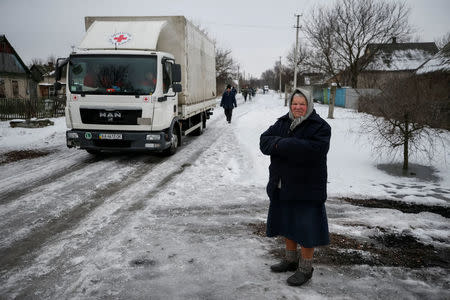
<point x="118" y="74"/>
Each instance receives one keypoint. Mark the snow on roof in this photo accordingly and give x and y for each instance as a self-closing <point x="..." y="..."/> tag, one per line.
<point x="399" y="60"/>
<point x="439" y="62"/>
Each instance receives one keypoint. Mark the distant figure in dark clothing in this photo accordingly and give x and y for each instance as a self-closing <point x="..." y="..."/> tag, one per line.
<point x="228" y="102"/>
<point x="233" y="90"/>
<point x="245" y="93"/>
<point x="250" y="93"/>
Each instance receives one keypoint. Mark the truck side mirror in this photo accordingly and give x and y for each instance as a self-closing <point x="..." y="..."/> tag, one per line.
<point x="60" y="63"/>
<point x="176" y="87"/>
<point x="57" y="85"/>
<point x="176" y="73"/>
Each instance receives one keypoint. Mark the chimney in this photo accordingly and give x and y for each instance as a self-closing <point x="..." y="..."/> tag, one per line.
<point x="394" y="40"/>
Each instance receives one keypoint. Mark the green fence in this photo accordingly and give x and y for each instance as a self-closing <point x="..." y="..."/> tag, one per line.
<point x="51" y="107"/>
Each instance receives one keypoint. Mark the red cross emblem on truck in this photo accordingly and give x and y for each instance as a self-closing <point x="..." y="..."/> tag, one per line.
<point x="120" y="38"/>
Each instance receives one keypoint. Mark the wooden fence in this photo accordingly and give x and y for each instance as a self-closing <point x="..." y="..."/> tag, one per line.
<point x="50" y="107"/>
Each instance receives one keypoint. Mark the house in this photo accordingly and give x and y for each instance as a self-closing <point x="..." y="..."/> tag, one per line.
<point x="387" y="62"/>
<point x="435" y="75"/>
<point x="41" y="74"/>
<point x="16" y="80"/>
<point x="45" y="75"/>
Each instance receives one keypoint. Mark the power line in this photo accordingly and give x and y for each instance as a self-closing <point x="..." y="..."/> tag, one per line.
<point x="246" y="25"/>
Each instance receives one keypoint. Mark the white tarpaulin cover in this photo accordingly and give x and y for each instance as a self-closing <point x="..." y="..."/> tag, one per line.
<point x="123" y="35"/>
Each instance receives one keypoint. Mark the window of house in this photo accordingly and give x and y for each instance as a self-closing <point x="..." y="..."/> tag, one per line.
<point x="2" y="88"/>
<point x="15" y="88"/>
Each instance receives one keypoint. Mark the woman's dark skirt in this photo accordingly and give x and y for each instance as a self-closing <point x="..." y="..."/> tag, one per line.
<point x="303" y="222"/>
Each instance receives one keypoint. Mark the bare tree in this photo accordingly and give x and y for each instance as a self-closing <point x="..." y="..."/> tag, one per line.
<point x="340" y="33"/>
<point x="302" y="55"/>
<point x="36" y="61"/>
<point x="269" y="77"/>
<point x="319" y="30"/>
<point x="51" y="60"/>
<point x="225" y="65"/>
<point x="400" y="115"/>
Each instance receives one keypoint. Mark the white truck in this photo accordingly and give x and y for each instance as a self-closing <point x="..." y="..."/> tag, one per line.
<point x="138" y="83"/>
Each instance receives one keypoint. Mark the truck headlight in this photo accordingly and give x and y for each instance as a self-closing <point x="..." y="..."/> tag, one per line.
<point x="72" y="135"/>
<point x="153" y="137"/>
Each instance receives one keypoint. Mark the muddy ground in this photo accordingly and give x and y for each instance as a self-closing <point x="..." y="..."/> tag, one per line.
<point x="389" y="250"/>
<point x="384" y="249"/>
<point x="17" y="155"/>
<point x="401" y="206"/>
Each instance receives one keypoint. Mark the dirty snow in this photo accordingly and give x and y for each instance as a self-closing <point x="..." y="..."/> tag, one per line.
<point x="136" y="226"/>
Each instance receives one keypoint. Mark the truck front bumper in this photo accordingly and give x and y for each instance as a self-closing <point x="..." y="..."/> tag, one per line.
<point x="117" y="140"/>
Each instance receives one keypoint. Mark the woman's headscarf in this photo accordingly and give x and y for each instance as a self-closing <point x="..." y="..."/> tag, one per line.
<point x="310" y="108"/>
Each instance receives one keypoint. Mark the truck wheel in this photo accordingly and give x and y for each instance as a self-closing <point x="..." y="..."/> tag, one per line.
<point x="174" y="143"/>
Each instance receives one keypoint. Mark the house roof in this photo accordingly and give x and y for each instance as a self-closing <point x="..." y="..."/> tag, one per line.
<point x="440" y="62"/>
<point x="398" y="56"/>
<point x="43" y="70"/>
<point x="11" y="61"/>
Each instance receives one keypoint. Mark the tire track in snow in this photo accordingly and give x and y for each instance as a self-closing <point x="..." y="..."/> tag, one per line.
<point x="17" y="192"/>
<point x="14" y="254"/>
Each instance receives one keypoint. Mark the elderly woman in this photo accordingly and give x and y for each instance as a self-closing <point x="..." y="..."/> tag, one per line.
<point x="298" y="144"/>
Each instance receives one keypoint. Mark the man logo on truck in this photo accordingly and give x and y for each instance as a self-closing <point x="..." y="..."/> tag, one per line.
<point x="110" y="116"/>
<point x="120" y="38"/>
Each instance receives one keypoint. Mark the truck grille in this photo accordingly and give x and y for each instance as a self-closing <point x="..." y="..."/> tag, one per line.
<point x="110" y="117"/>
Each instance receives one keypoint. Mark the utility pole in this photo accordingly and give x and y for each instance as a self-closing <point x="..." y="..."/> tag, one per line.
<point x="280" y="76"/>
<point x="332" y="100"/>
<point x="238" y="80"/>
<point x="296" y="50"/>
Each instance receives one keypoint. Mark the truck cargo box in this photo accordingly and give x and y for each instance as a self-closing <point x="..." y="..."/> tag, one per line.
<point x="192" y="49"/>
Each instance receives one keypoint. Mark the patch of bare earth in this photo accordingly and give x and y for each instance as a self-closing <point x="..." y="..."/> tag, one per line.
<point x="17" y="155"/>
<point x="386" y="249"/>
<point x="401" y="206"/>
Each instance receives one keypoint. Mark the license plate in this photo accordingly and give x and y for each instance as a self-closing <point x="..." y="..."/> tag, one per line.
<point x="110" y="136"/>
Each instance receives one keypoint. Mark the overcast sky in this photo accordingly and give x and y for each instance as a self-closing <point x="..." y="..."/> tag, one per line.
<point x="258" y="32"/>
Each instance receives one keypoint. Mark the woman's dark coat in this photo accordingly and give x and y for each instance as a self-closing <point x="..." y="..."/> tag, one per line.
<point x="228" y="100"/>
<point x="299" y="161"/>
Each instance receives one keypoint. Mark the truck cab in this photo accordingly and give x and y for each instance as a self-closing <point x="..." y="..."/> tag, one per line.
<point x="123" y="89"/>
<point x="120" y="101"/>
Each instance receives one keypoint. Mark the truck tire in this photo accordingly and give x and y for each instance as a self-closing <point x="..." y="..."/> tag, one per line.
<point x="174" y="144"/>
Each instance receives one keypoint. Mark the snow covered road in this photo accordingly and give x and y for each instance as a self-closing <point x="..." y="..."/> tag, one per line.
<point x="130" y="226"/>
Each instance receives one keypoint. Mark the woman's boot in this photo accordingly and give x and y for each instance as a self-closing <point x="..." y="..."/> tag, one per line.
<point x="303" y="273"/>
<point x="289" y="263"/>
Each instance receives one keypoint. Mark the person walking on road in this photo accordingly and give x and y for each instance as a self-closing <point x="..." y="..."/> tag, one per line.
<point x="298" y="144"/>
<point x="245" y="93"/>
<point x="233" y="90"/>
<point x="228" y="102"/>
